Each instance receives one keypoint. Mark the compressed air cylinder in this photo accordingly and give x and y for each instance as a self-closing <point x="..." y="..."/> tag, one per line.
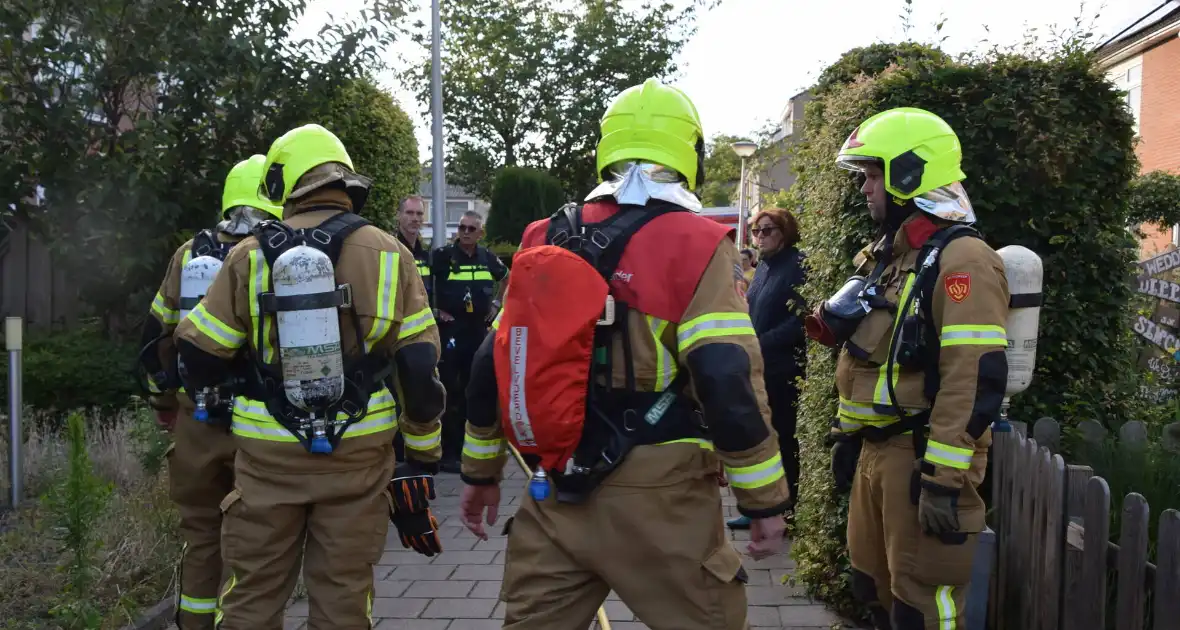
<point x="309" y="340"/>
<point x="1025" y="278"/>
<point x="195" y="278"/>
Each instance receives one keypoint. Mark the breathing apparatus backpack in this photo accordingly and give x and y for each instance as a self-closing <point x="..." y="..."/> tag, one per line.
<point x="205" y="259"/>
<point x="553" y="355"/>
<point x="313" y="390"/>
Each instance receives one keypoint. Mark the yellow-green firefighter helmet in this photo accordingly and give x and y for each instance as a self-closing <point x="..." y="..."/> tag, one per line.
<point x="655" y="123"/>
<point x="302" y="150"/>
<point x="918" y="151"/>
<point x="241" y="188"/>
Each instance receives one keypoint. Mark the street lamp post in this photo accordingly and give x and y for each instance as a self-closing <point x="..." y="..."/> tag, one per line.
<point x="438" y="201"/>
<point x="744" y="149"/>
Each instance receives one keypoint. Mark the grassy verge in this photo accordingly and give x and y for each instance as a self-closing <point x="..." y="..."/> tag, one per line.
<point x="95" y="542"/>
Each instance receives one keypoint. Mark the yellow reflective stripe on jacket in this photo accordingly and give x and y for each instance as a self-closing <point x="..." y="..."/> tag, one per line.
<point x="471" y="272"/>
<point x="948" y="613"/>
<point x="971" y="335"/>
<point x="423" y="442"/>
<point x="423" y="267"/>
<point x="665" y="363"/>
<point x="701" y="442"/>
<point x="482" y="449"/>
<point x="259" y="284"/>
<point x="756" y="476"/>
<point x="947" y="455"/>
<point x="496" y="322"/>
<point x="416" y="323"/>
<point x="170" y="317"/>
<point x="198" y="605"/>
<point x="386" y="298"/>
<point x="251" y="419"/>
<point x="216" y="329"/>
<point x="881" y="392"/>
<point x="712" y="325"/>
<point x="188" y="255"/>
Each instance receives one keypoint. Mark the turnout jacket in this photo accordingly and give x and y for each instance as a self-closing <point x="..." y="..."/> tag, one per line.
<point x="679" y="275"/>
<point x="969" y="305"/>
<point x="396" y="322"/>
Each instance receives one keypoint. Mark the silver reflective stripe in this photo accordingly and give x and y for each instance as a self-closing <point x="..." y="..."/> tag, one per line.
<point x="423" y="443"/>
<point x="975" y="334"/>
<point x="750" y="479"/>
<point x="483" y="449"/>
<point x="276" y="431"/>
<point x="684" y="335"/>
<point x="933" y="450"/>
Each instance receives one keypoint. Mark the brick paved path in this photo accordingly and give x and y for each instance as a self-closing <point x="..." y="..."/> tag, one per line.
<point x="458" y="589"/>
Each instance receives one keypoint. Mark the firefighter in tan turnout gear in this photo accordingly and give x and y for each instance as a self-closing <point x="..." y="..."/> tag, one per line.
<point x="675" y="368"/>
<point x="921" y="374"/>
<point x="325" y="306"/>
<point x="201" y="458"/>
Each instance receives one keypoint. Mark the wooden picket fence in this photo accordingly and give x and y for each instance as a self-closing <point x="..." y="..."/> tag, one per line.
<point x="1056" y="568"/>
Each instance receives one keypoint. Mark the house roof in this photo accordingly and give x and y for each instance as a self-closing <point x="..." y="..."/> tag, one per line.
<point x="1147" y="31"/>
<point x="454" y="193"/>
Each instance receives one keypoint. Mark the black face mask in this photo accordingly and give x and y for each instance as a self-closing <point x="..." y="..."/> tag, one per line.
<point x="896" y="214"/>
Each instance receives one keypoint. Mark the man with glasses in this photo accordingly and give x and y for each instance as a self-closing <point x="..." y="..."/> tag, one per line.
<point x="465" y="275"/>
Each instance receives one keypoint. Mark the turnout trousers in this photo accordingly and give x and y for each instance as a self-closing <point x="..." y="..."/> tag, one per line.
<point x="661" y="547"/>
<point x="200" y="475"/>
<point x="333" y="524"/>
<point x="920" y="580"/>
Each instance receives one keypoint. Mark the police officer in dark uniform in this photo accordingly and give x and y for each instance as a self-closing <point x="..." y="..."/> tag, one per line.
<point x="465" y="276"/>
<point x="410" y="214"/>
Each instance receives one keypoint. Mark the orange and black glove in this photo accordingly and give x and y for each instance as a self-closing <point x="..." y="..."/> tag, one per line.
<point x="411" y="490"/>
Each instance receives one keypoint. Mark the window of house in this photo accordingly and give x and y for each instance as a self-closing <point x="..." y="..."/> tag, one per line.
<point x="1128" y="77"/>
<point x="455" y="210"/>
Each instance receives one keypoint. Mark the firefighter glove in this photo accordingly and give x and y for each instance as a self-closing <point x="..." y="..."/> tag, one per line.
<point x="418" y="531"/>
<point x="844" y="455"/>
<point x="412" y="489"/>
<point x="938" y="511"/>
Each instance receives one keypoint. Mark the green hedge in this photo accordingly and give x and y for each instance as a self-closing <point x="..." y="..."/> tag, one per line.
<point x="1047" y="147"/>
<point x="79" y="368"/>
<point x="1155" y="198"/>
<point x="519" y="197"/>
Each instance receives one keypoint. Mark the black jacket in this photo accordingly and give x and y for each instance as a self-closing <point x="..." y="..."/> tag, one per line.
<point x="777" y="309"/>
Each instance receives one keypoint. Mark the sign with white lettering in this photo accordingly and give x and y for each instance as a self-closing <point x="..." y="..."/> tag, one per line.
<point x="1166" y="261"/>
<point x="1162" y="289"/>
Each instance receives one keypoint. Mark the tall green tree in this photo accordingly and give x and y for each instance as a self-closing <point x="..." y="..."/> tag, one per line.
<point x="129" y="113"/>
<point x="525" y="82"/>
<point x="519" y="197"/>
<point x="723" y="171"/>
<point x="380" y="140"/>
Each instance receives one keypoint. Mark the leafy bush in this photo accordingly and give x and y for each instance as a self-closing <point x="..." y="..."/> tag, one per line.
<point x="1155" y="198"/>
<point x="1047" y="149"/>
<point x="78" y="368"/>
<point x="519" y="197"/>
<point x="504" y="251"/>
<point x="379" y="137"/>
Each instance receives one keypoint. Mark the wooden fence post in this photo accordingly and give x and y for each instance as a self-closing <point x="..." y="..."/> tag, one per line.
<point x="1167" y="572"/>
<point x="1132" y="563"/>
<point x="1075" y="509"/>
<point x="1048" y="434"/>
<point x="1097" y="534"/>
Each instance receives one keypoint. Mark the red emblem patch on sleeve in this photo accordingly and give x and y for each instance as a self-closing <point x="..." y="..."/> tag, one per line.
<point x="958" y="286"/>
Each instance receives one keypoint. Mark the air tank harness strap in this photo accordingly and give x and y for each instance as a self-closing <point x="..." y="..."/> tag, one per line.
<point x="362" y="376"/>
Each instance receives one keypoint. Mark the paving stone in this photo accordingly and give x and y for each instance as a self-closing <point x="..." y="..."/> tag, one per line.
<point x="402" y="558"/>
<point x="440" y="588"/>
<point x="811" y="615"/>
<point x="489" y="589"/>
<point x="390" y="588"/>
<point x="398" y="607"/>
<point x="294" y="623"/>
<point x="297" y="608"/>
<point x="617" y="610"/>
<point x="478" y="572"/>
<point x="414" y="573"/>
<point x="447" y="608"/>
<point x="761" y="616"/>
<point x="465" y="557"/>
<point x="476" y="624"/>
<point x="414" y="624"/>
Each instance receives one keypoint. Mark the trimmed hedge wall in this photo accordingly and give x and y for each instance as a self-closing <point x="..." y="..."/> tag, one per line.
<point x="1047" y="147"/>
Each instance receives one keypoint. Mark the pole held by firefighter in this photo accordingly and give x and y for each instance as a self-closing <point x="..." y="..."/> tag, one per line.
<point x="438" y="201"/>
<point x="12" y="341"/>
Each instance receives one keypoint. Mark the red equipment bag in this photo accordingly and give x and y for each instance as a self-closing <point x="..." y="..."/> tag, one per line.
<point x="543" y="349"/>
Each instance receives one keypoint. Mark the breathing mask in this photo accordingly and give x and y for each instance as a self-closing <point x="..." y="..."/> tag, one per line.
<point x="634" y="183"/>
<point x="840" y="314"/>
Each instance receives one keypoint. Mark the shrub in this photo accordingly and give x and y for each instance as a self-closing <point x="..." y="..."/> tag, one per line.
<point x="1155" y="198"/>
<point x="1047" y="149"/>
<point x="379" y="137"/>
<point x="77" y="368"/>
<point x="519" y="197"/>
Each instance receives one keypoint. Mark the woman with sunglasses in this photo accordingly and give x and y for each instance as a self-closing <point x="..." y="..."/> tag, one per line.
<point x="777" y="311"/>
